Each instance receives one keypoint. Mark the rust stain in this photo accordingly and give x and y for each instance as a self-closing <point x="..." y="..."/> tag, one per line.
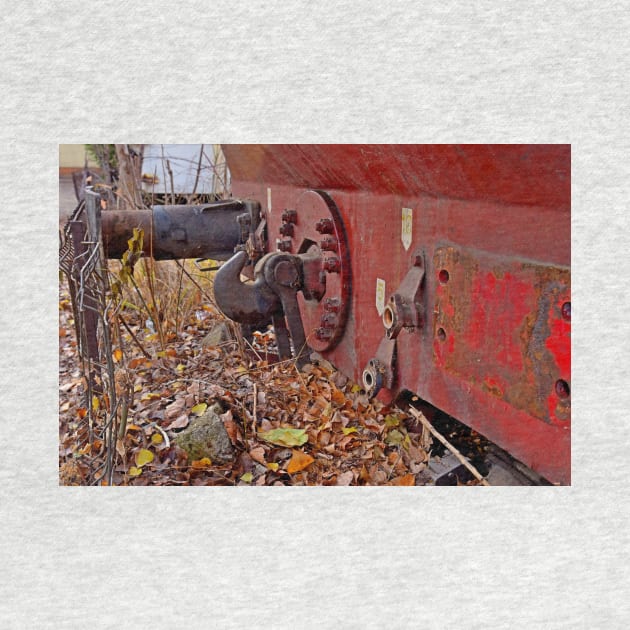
<point x="497" y="312"/>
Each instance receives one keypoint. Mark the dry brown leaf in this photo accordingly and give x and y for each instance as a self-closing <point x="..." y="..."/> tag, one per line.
<point x="258" y="455"/>
<point x="299" y="461"/>
<point x="175" y="408"/>
<point x="345" y="479"/>
<point x="404" y="480"/>
<point x="179" y="423"/>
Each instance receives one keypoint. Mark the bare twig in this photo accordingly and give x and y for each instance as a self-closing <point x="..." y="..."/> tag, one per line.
<point x="254" y="410"/>
<point x="425" y="423"/>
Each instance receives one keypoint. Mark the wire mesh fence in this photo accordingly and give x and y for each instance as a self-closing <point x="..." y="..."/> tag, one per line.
<point x="105" y="393"/>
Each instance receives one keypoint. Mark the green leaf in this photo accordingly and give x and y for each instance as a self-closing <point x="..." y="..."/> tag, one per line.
<point x="285" y="437"/>
<point x="247" y="477"/>
<point x="143" y="457"/>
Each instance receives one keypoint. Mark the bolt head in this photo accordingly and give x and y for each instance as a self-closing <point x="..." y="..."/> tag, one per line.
<point x="289" y="216"/>
<point x="332" y="305"/>
<point x="323" y="334"/>
<point x="325" y="226"/>
<point x="332" y="265"/>
<point x="328" y="244"/>
<point x="287" y="229"/>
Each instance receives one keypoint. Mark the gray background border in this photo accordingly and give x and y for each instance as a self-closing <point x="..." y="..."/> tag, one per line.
<point x="313" y="72"/>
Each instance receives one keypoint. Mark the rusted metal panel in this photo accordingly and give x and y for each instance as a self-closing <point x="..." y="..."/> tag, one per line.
<point x="494" y="350"/>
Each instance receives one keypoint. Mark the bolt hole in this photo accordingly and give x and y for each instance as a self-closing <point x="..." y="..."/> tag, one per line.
<point x="444" y="276"/>
<point x="562" y="389"/>
<point x="441" y="334"/>
<point x="388" y="317"/>
<point x="368" y="381"/>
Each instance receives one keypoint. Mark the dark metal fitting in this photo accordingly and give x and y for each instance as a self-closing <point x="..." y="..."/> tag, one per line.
<point x="332" y="305"/>
<point x="289" y="216"/>
<point x="329" y="320"/>
<point x="287" y="229"/>
<point x="245" y="302"/>
<point x="332" y="265"/>
<point x="283" y="245"/>
<point x="396" y="316"/>
<point x="286" y="274"/>
<point x="329" y="244"/>
<point x="325" y="226"/>
<point x="244" y="220"/>
<point x="323" y="334"/>
<point x="566" y="311"/>
<point x="372" y="377"/>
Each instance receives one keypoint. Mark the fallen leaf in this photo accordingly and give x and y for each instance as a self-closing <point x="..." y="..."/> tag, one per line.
<point x="404" y="480"/>
<point x="247" y="477"/>
<point x="273" y="466"/>
<point x="157" y="438"/>
<point x="201" y="463"/>
<point x="143" y="456"/>
<point x="285" y="436"/>
<point x="348" y="430"/>
<point x="338" y="397"/>
<point x="179" y="423"/>
<point x="199" y="409"/>
<point x="258" y="455"/>
<point x="394" y="438"/>
<point x="298" y="462"/>
<point x="117" y="354"/>
<point x="345" y="479"/>
<point x="134" y="472"/>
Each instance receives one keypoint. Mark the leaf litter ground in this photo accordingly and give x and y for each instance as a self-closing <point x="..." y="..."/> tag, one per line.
<point x="287" y="427"/>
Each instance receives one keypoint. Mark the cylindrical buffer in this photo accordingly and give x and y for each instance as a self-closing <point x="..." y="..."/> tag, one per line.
<point x="172" y="232"/>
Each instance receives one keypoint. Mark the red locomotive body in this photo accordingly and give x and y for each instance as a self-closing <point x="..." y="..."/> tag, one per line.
<point x="443" y="270"/>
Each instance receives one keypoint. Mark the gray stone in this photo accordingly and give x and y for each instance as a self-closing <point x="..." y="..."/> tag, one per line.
<point x="206" y="437"/>
<point x="218" y="335"/>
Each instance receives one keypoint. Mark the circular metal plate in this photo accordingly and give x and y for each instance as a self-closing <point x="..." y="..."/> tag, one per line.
<point x="318" y="230"/>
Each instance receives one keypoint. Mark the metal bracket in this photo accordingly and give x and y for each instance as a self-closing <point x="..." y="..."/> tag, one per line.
<point x="405" y="309"/>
